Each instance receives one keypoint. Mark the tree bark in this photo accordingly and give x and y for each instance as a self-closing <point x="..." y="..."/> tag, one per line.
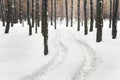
<point x="8" y="17"/>
<point x="78" y="15"/>
<point x="85" y="18"/>
<point x="66" y="8"/>
<point x="115" y="15"/>
<point x="110" y="19"/>
<point x="71" y="13"/>
<point x="45" y="25"/>
<point x="91" y="15"/>
<point x="99" y="24"/>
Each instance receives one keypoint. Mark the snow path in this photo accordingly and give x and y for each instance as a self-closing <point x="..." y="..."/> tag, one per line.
<point x="57" y="60"/>
<point x="76" y="61"/>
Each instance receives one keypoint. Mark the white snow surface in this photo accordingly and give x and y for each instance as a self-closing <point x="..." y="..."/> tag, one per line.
<point x="72" y="55"/>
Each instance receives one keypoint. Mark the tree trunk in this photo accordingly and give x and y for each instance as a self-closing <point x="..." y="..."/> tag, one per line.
<point x="110" y="20"/>
<point x="115" y="16"/>
<point x="91" y="15"/>
<point x="71" y="13"/>
<point x="33" y="13"/>
<point x="51" y="12"/>
<point x="85" y="18"/>
<point x="55" y="14"/>
<point x="3" y="12"/>
<point x="99" y="24"/>
<point x="78" y="15"/>
<point x="45" y="25"/>
<point x="37" y="16"/>
<point x="28" y="16"/>
<point x="8" y="16"/>
<point x="66" y="8"/>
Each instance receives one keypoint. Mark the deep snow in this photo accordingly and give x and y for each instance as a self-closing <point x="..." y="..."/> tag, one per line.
<point x="72" y="55"/>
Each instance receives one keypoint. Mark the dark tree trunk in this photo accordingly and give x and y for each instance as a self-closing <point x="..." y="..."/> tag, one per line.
<point x="99" y="24"/>
<point x="3" y="12"/>
<point x="12" y="13"/>
<point x="110" y="20"/>
<point x="37" y="16"/>
<point x="115" y="16"/>
<point x="55" y="14"/>
<point x="91" y="15"/>
<point x="85" y="17"/>
<point x="8" y="17"/>
<point x="78" y="15"/>
<point x="33" y="13"/>
<point x="20" y="11"/>
<point x="45" y="25"/>
<point x="71" y="13"/>
<point x="66" y="8"/>
<point x="28" y="16"/>
<point x="51" y="12"/>
<point x="15" y="12"/>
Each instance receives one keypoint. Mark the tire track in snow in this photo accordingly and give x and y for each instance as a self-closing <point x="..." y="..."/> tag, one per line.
<point x="56" y="61"/>
<point x="89" y="63"/>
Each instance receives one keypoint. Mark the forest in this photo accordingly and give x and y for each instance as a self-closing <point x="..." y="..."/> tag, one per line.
<point x="83" y="11"/>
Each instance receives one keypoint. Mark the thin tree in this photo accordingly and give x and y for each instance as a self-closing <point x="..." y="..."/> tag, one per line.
<point x="55" y="15"/>
<point x="110" y="20"/>
<point x="15" y="12"/>
<point x="20" y="10"/>
<point x="71" y="13"/>
<point x="45" y="25"/>
<point x="114" y="21"/>
<point x="12" y="13"/>
<point x="28" y="17"/>
<point x="85" y="18"/>
<point x="33" y="9"/>
<point x="3" y="12"/>
<point x="91" y="15"/>
<point x="66" y="9"/>
<point x="78" y="15"/>
<point x="99" y="24"/>
<point x="51" y="12"/>
<point x="37" y="16"/>
<point x="8" y="16"/>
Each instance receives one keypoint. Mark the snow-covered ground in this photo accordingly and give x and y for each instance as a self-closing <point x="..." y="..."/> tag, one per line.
<point x="72" y="56"/>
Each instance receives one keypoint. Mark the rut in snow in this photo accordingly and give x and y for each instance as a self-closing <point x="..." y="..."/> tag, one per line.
<point x="81" y="73"/>
<point x="89" y="63"/>
<point x="55" y="62"/>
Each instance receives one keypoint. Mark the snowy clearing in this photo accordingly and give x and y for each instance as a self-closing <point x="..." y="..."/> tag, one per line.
<point x="72" y="55"/>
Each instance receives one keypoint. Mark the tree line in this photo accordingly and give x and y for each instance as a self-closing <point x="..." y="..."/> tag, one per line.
<point x="34" y="11"/>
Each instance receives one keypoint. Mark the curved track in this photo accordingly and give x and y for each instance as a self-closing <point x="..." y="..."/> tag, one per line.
<point x="74" y="60"/>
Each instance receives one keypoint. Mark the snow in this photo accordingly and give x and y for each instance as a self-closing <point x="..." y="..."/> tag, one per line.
<point x="72" y="56"/>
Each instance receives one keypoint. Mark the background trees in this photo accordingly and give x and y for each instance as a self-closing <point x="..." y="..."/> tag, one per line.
<point x="83" y="11"/>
